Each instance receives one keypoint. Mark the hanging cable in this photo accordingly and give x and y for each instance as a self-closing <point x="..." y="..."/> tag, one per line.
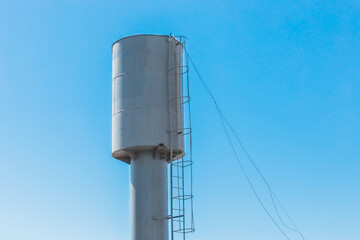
<point x="225" y="123"/>
<point x="271" y="192"/>
<point x="245" y="174"/>
<point x="288" y="215"/>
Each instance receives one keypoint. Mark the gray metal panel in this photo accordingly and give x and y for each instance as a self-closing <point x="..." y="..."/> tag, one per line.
<point x="141" y="118"/>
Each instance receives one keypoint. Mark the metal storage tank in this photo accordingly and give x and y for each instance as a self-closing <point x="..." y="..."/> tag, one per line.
<point x="147" y="124"/>
<point x="147" y="90"/>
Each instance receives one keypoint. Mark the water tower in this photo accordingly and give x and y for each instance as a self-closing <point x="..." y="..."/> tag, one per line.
<point x="149" y="101"/>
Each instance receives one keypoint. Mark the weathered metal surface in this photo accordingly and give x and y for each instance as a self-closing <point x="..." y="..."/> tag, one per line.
<point x="140" y="112"/>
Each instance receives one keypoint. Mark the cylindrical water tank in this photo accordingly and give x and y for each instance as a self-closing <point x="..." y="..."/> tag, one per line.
<point x="147" y="96"/>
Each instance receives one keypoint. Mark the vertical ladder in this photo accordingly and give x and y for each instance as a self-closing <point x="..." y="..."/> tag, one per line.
<point x="180" y="166"/>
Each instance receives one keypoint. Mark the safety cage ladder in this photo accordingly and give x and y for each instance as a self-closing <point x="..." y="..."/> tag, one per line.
<point x="180" y="165"/>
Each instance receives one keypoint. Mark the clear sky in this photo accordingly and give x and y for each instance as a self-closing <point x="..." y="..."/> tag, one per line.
<point x="285" y="73"/>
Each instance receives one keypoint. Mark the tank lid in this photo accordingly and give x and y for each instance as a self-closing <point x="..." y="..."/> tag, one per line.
<point x="148" y="35"/>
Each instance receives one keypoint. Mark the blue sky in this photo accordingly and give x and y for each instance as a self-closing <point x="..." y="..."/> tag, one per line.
<point x="285" y="73"/>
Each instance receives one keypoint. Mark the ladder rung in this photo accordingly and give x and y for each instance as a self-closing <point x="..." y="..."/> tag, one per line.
<point x="181" y="197"/>
<point x="177" y="177"/>
<point x="182" y="97"/>
<point x="186" y="67"/>
<point x="185" y="230"/>
<point x="182" y="130"/>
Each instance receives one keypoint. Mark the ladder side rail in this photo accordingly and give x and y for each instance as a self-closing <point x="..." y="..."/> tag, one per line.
<point x="190" y="136"/>
<point x="171" y="150"/>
